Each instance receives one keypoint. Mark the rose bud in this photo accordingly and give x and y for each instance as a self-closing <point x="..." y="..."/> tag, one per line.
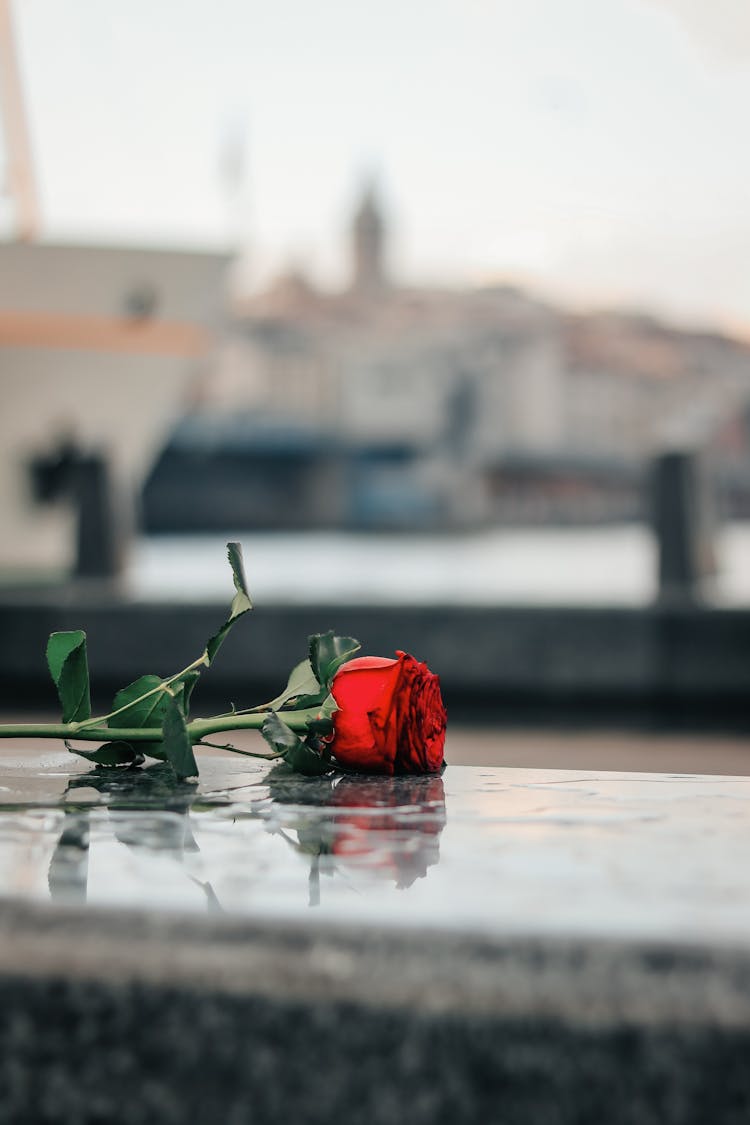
<point x="391" y="717"/>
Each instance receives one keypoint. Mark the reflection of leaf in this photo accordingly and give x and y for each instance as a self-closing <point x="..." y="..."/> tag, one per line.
<point x="314" y="837"/>
<point x="67" y="875"/>
<point x="314" y="881"/>
<point x="287" y="787"/>
<point x="128" y="794"/>
<point x="213" y="904"/>
<point x="68" y="666"/>
<point x="155" y="787"/>
<point x="240" y="604"/>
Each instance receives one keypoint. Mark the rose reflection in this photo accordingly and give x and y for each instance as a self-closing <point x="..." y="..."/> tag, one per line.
<point x="411" y="814"/>
<point x="389" y="826"/>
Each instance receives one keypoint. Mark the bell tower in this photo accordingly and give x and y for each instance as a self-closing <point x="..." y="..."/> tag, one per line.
<point x="367" y="234"/>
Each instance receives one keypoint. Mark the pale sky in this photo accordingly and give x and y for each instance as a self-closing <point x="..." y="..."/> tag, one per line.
<point x="596" y="149"/>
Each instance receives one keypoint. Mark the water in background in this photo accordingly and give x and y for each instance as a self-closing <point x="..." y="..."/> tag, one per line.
<point x="604" y="565"/>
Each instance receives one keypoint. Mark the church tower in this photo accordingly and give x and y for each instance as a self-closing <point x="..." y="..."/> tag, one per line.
<point x="368" y="229"/>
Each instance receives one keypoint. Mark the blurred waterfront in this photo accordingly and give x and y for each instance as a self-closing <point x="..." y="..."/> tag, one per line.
<point x="530" y="348"/>
<point x="610" y="565"/>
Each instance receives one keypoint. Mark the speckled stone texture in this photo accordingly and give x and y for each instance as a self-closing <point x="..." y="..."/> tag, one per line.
<point x="127" y="1017"/>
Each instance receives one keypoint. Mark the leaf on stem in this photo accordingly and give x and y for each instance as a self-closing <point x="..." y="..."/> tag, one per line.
<point x="322" y="723"/>
<point x="68" y="665"/>
<point x="241" y="602"/>
<point x="187" y="683"/>
<point x="176" y="743"/>
<point x="139" y="712"/>
<point x="302" y="689"/>
<point x="144" y="705"/>
<point x="328" y="652"/>
<point x="296" y="753"/>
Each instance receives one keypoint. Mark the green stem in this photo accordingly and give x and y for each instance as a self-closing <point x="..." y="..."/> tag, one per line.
<point x="262" y="708"/>
<point x="269" y="757"/>
<point x="197" y="729"/>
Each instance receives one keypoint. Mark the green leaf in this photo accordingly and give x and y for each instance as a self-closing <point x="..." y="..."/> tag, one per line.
<point x="328" y="652"/>
<point x="112" y="754"/>
<point x="329" y="707"/>
<point x="308" y="761"/>
<point x="297" y="754"/>
<point x="68" y="665"/>
<point x="139" y="712"/>
<point x="178" y="749"/>
<point x="240" y="604"/>
<point x="302" y="689"/>
<point x="187" y="683"/>
<point x="323" y="721"/>
<point x="150" y="712"/>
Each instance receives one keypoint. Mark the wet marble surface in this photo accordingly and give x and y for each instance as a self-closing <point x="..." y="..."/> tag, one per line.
<point x="506" y="851"/>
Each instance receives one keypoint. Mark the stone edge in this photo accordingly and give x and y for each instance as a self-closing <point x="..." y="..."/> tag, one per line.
<point x="582" y="983"/>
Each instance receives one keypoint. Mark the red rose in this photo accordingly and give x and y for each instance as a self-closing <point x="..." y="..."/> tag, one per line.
<point x="391" y="717"/>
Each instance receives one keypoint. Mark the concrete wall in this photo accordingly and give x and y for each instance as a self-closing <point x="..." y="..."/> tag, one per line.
<point x="667" y="665"/>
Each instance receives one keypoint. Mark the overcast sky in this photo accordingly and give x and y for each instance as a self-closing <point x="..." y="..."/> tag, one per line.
<point x="594" y="148"/>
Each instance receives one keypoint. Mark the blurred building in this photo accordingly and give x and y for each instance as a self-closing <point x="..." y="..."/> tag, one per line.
<point x="99" y="347"/>
<point x="385" y="405"/>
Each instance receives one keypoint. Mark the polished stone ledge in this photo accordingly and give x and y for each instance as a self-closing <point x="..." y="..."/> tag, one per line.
<point x="500" y="851"/>
<point x="510" y="945"/>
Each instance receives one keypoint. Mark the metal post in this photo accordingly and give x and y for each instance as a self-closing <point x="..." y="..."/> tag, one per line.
<point x="683" y="524"/>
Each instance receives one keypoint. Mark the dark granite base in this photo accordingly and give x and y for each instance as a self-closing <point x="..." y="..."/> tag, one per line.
<point x="129" y="1018"/>
<point x="133" y="1053"/>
